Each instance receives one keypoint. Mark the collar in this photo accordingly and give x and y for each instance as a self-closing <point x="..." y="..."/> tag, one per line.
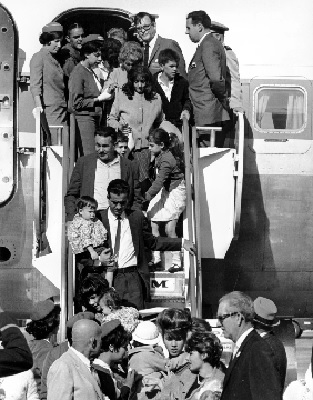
<point x="152" y="42"/>
<point x="241" y="339"/>
<point x="102" y="364"/>
<point x="112" y="217"/>
<point x="200" y="41"/>
<point x="84" y="359"/>
<point x="116" y="160"/>
<point x="162" y="83"/>
<point x="262" y="334"/>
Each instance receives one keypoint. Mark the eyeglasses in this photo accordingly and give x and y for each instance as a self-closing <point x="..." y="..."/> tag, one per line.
<point x="222" y="317"/>
<point x="144" y="27"/>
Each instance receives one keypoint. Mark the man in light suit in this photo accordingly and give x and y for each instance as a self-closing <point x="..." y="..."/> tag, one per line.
<point x="153" y="43"/>
<point x="207" y="75"/>
<point x="71" y="377"/>
<point x="251" y="374"/>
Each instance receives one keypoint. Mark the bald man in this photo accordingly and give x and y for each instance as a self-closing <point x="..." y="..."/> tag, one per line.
<point x="70" y="377"/>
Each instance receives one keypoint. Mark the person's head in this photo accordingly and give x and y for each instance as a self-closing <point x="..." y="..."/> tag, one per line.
<point x="118" y="196"/>
<point x="145" y="26"/>
<point x="264" y="315"/>
<point x="75" y="34"/>
<point x="118" y="34"/>
<point x="110" y="51"/>
<point x="159" y="140"/>
<point x="218" y="30"/>
<point x="169" y="61"/>
<point x="204" y="347"/>
<point x="91" y="53"/>
<point x="198" y="23"/>
<point x="121" y="144"/>
<point x="87" y="207"/>
<point x="110" y="301"/>
<point x="140" y="81"/>
<point x="115" y="341"/>
<point x="104" y="144"/>
<point x="199" y="325"/>
<point x="130" y="55"/>
<point x="45" y="320"/>
<point x="70" y="323"/>
<point x="91" y="291"/>
<point x="235" y="314"/>
<point x="51" y="37"/>
<point x="86" y="338"/>
<point x="174" y="325"/>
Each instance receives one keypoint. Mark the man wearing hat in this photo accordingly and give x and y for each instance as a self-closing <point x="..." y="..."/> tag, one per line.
<point x="264" y="321"/>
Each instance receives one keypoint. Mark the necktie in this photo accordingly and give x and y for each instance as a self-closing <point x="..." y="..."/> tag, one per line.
<point x="146" y="55"/>
<point x="117" y="240"/>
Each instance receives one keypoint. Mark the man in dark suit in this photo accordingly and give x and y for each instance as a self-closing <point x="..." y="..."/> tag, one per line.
<point x="264" y="322"/>
<point x="129" y="232"/>
<point x="207" y="75"/>
<point x="251" y="374"/>
<point x="93" y="173"/>
<point x="153" y="43"/>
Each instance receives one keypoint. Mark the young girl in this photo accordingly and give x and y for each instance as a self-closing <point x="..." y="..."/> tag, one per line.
<point x="88" y="236"/>
<point x="167" y="194"/>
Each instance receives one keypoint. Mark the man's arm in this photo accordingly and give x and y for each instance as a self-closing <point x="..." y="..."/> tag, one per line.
<point x="60" y="382"/>
<point x="236" y="92"/>
<point x="73" y="192"/>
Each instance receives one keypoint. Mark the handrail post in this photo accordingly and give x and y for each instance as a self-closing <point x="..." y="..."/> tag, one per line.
<point x="37" y="183"/>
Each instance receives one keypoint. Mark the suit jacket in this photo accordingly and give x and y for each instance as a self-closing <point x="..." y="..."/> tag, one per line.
<point x="207" y="88"/>
<point x="70" y="379"/>
<point x="161" y="44"/>
<point x="83" y="179"/>
<point x="251" y="375"/>
<point x="179" y="99"/>
<point x="143" y="237"/>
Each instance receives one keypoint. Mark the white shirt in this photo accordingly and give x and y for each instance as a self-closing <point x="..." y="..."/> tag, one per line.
<point x="80" y="355"/>
<point x="126" y="256"/>
<point x="240" y="341"/>
<point x="166" y="89"/>
<point x="104" y="174"/>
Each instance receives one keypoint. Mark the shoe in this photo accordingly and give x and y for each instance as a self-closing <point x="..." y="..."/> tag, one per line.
<point x="175" y="268"/>
<point x="155" y="266"/>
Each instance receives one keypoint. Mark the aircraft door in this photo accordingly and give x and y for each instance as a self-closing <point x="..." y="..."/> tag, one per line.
<point x="8" y="104"/>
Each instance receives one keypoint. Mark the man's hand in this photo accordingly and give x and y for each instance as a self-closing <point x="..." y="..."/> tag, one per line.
<point x="189" y="246"/>
<point x="185" y="114"/>
<point x="105" y="256"/>
<point x="130" y="378"/>
<point x="93" y="253"/>
<point x="112" y="87"/>
<point x="237" y="110"/>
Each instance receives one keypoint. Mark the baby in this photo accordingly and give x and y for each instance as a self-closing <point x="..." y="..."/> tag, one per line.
<point x="88" y="236"/>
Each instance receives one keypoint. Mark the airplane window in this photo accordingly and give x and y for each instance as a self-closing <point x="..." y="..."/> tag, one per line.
<point x="279" y="109"/>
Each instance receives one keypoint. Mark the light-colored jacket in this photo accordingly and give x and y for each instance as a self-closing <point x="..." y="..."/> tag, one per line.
<point x="70" y="379"/>
<point x="20" y="386"/>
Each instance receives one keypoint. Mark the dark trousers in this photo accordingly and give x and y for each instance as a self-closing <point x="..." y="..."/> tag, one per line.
<point x="85" y="133"/>
<point x="129" y="287"/>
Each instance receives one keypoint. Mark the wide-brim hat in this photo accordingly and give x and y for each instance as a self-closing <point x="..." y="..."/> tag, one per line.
<point x="42" y="309"/>
<point x="147" y="333"/>
<point x="265" y="312"/>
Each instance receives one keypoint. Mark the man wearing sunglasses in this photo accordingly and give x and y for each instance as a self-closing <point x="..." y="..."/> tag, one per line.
<point x="251" y="374"/>
<point x="153" y="43"/>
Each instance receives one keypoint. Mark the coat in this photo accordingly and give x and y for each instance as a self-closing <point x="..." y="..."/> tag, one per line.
<point x="83" y="178"/>
<point x="251" y="375"/>
<point x="70" y="379"/>
<point x="162" y="44"/>
<point x="207" y="77"/>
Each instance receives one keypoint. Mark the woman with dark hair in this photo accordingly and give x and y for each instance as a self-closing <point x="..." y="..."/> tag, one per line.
<point x="47" y="78"/>
<point x="138" y="107"/>
<point x="45" y="321"/>
<point x="92" y="289"/>
<point x="85" y="100"/>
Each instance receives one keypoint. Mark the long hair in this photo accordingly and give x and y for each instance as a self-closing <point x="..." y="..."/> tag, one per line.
<point x="140" y="72"/>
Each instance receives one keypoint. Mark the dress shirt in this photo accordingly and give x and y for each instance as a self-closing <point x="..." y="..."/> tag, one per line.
<point x="104" y="174"/>
<point x="80" y="355"/>
<point x="166" y="89"/>
<point x="126" y="256"/>
<point x="240" y="341"/>
<point x="262" y="334"/>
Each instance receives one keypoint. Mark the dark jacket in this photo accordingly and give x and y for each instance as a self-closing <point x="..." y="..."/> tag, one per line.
<point x="206" y="76"/>
<point x="179" y="99"/>
<point x="251" y="375"/>
<point x="15" y="356"/>
<point x="69" y="58"/>
<point x="83" y="179"/>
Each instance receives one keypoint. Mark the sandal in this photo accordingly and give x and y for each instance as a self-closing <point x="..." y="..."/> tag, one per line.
<point x="175" y="268"/>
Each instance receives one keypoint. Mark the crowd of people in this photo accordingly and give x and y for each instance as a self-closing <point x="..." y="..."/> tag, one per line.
<point x="111" y="353"/>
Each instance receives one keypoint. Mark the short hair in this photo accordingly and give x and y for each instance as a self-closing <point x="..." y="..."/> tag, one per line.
<point x="106" y="132"/>
<point x="42" y="328"/>
<point x="90" y="47"/>
<point x="111" y="299"/>
<point x="92" y="285"/>
<point x="120" y="137"/>
<point x="117" y="33"/>
<point x="118" y="186"/>
<point x="136" y="72"/>
<point x="242" y="302"/>
<point x="159" y="135"/>
<point x="87" y="201"/>
<point x="110" y="51"/>
<point x="206" y="343"/>
<point x="75" y="25"/>
<point x="200" y="325"/>
<point x="200" y="17"/>
<point x="47" y="37"/>
<point x="174" y="320"/>
<point x="117" y="338"/>
<point x="131" y="51"/>
<point x="167" y="55"/>
<point x="142" y="14"/>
